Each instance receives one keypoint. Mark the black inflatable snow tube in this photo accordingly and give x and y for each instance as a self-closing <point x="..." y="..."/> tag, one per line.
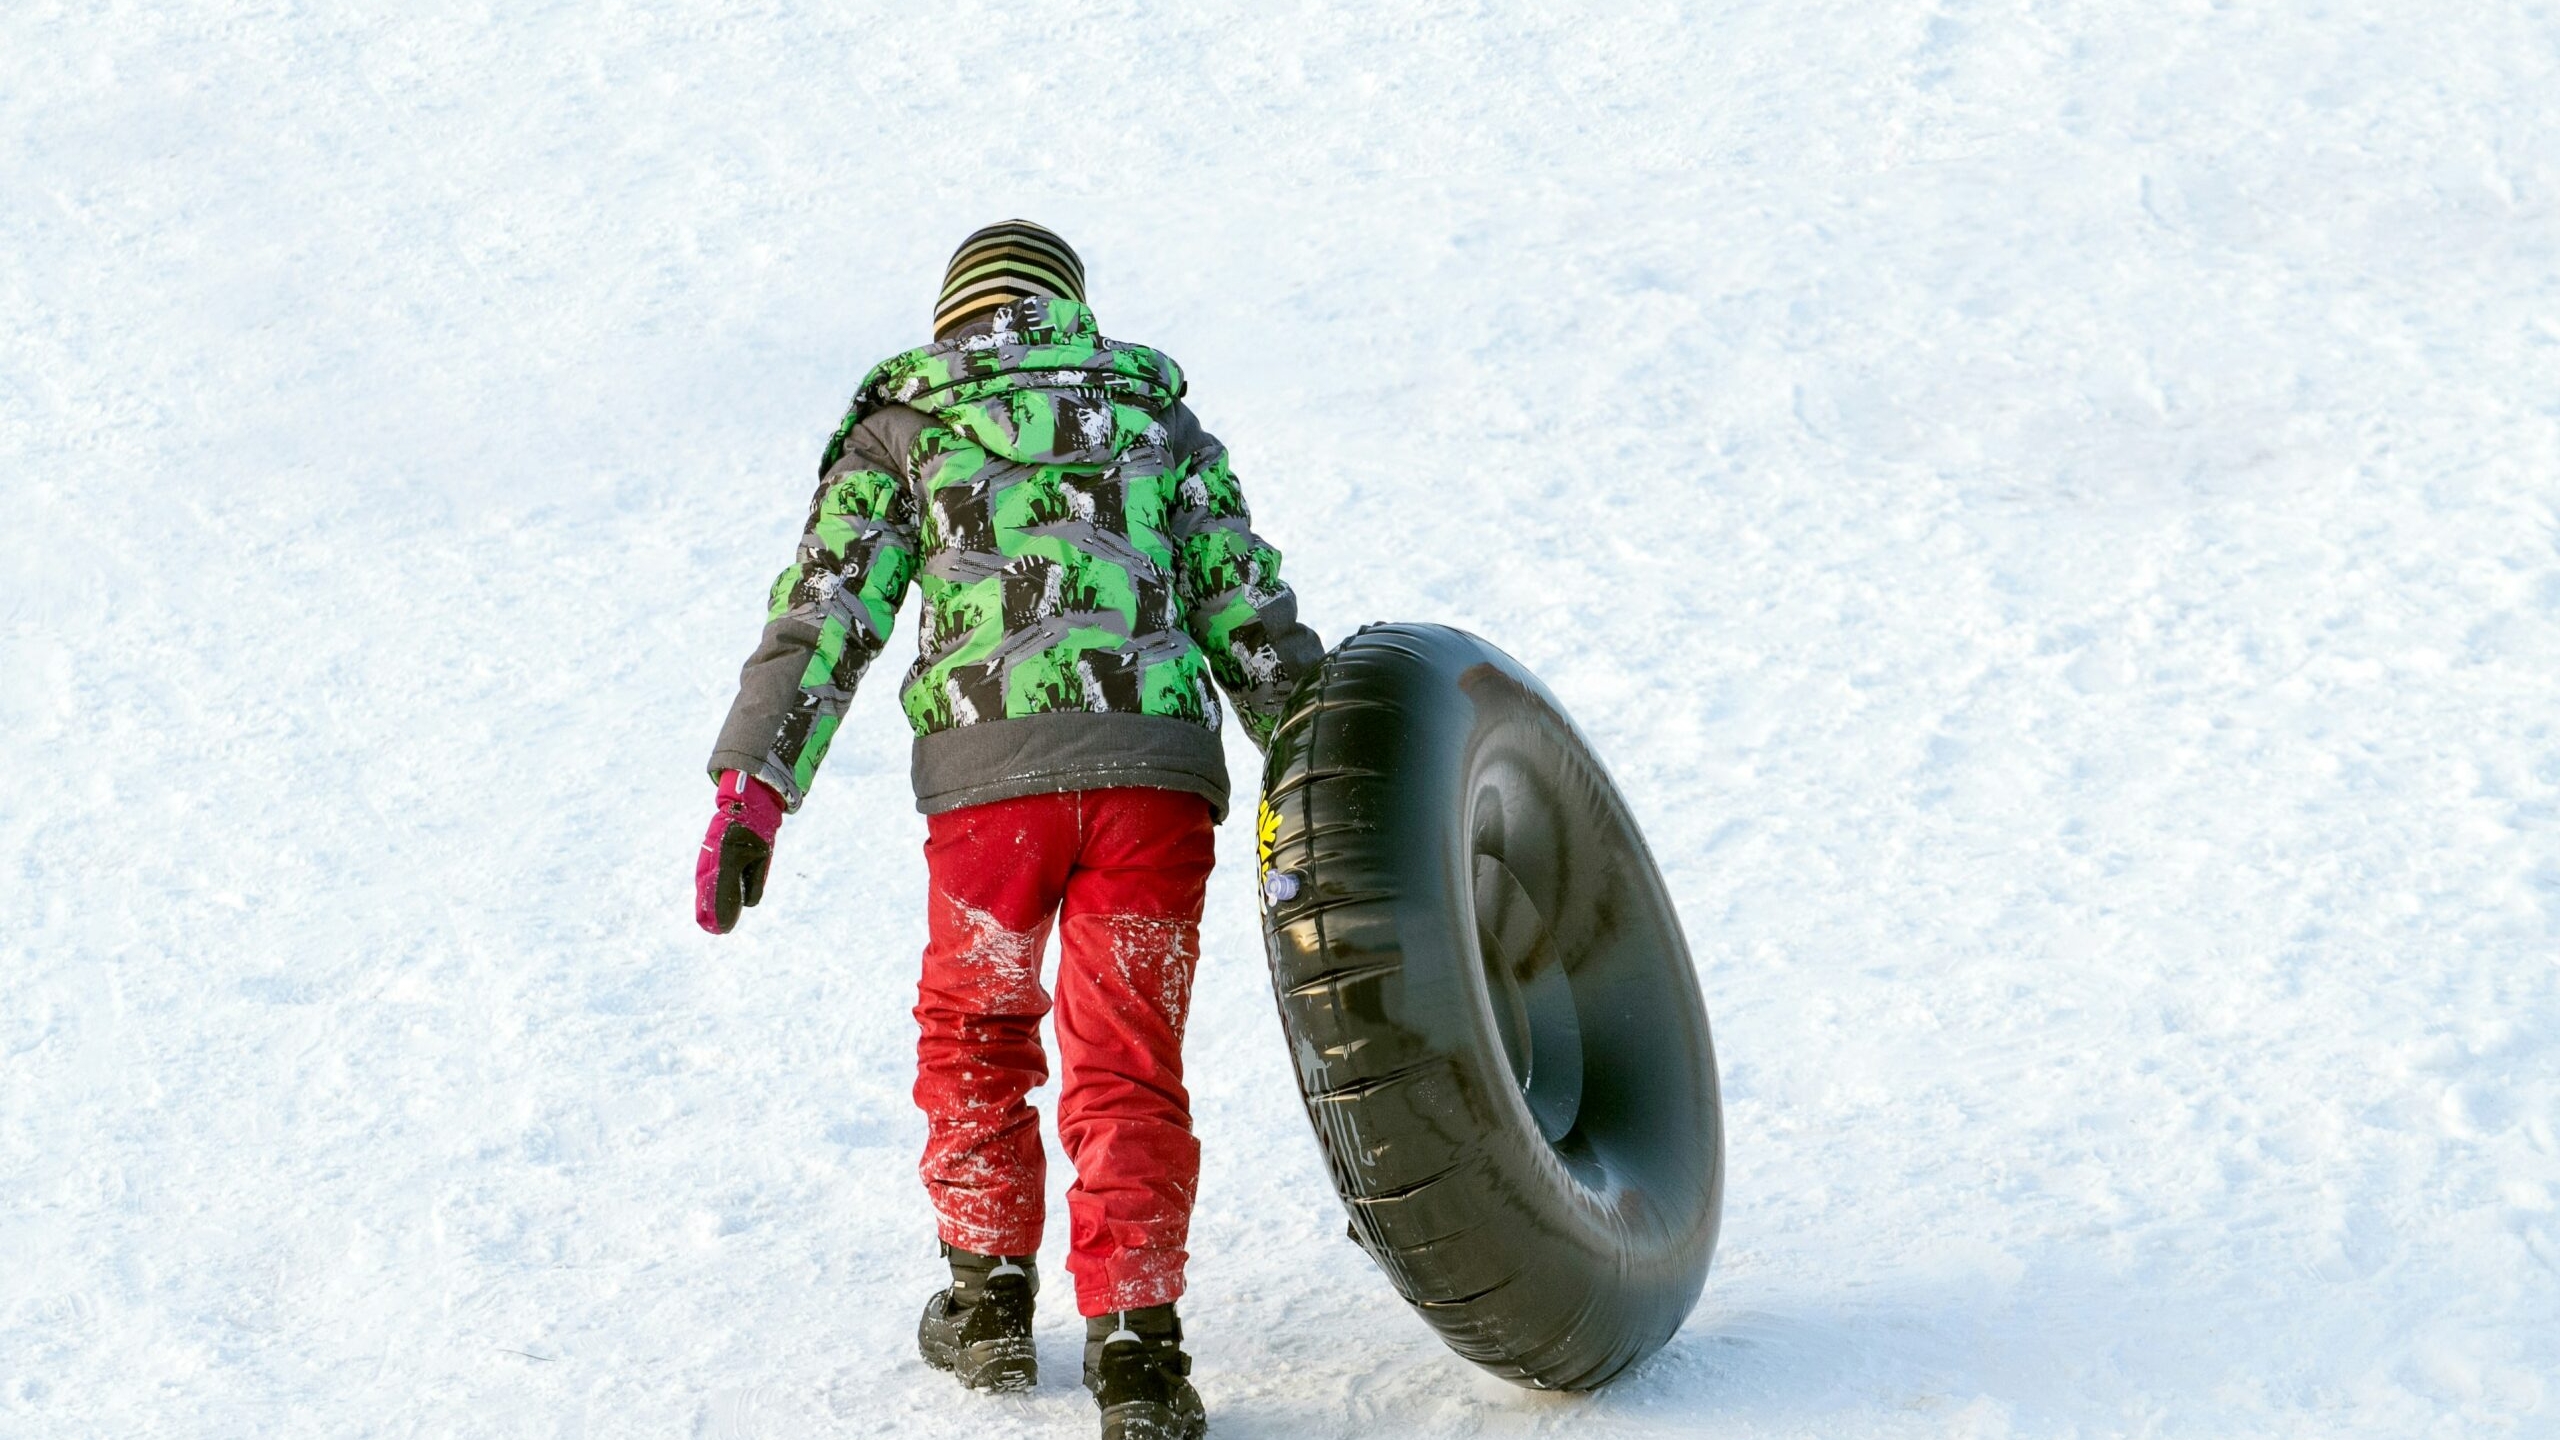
<point x="1496" y="1025"/>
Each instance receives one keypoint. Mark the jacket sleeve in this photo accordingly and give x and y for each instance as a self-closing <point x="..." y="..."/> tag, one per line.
<point x="1244" y="616"/>
<point x="829" y="614"/>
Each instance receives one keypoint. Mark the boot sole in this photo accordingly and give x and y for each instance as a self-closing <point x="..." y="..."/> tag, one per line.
<point x="1146" y="1420"/>
<point x="1001" y="1366"/>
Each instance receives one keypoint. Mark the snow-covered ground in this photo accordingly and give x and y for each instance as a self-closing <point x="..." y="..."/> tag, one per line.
<point x="2048" y="505"/>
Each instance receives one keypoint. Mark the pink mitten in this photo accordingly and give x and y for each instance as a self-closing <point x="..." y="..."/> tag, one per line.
<point x="736" y="851"/>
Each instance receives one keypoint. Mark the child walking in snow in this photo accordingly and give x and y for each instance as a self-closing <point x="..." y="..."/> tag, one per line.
<point x="1087" y="571"/>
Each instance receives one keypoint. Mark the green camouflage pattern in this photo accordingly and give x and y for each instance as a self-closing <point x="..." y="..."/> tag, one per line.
<point x="1069" y="559"/>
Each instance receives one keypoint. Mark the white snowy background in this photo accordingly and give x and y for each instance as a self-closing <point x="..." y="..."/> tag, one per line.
<point x="2048" y="506"/>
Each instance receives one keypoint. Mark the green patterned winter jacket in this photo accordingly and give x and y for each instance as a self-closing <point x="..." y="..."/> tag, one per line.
<point x="1086" y="565"/>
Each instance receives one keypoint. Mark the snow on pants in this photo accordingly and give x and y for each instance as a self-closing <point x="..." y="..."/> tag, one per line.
<point x="1121" y="872"/>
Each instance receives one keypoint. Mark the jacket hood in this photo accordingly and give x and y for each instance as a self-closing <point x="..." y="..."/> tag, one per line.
<point x="1037" y="384"/>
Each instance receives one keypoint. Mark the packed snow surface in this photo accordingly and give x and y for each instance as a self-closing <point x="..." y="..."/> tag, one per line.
<point x="2049" y="509"/>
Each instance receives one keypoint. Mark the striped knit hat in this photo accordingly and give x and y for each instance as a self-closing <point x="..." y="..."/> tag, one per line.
<point x="1002" y="264"/>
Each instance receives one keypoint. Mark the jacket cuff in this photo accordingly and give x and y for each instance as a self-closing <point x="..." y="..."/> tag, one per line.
<point x="756" y="767"/>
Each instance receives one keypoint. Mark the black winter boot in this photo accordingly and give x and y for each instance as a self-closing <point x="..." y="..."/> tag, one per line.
<point x="1134" y="1365"/>
<point x="979" y="1329"/>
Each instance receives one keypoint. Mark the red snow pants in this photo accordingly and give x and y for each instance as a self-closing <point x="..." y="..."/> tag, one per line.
<point x="1122" y="873"/>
